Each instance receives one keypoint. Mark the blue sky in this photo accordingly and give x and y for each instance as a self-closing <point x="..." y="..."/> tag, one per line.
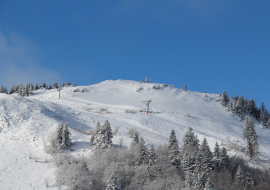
<point x="208" y="45"/>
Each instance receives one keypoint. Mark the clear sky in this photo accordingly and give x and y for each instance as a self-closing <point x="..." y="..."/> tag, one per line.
<point x="207" y="44"/>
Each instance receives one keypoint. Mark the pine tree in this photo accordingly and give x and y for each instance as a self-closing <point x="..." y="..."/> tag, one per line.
<point x="186" y="165"/>
<point x="55" y="86"/>
<point x="30" y="89"/>
<point x="240" y="107"/>
<point x="59" y="134"/>
<point x="174" y="154"/>
<point x="146" y="80"/>
<point x="36" y="87"/>
<point x="224" y="159"/>
<point x="152" y="155"/>
<point x="107" y="134"/>
<point x="233" y="106"/>
<point x="209" y="185"/>
<point x="185" y="87"/>
<point x="50" y="87"/>
<point x="216" y="159"/>
<point x="102" y="136"/>
<point x="113" y="183"/>
<point x="252" y="108"/>
<point x="239" y="177"/>
<point x="203" y="158"/>
<point x="134" y="142"/>
<point x="262" y="115"/>
<point x="224" y="98"/>
<point x="191" y="143"/>
<point x="251" y="138"/>
<point x="268" y="124"/>
<point x="2" y="89"/>
<point x="266" y="117"/>
<point x="141" y="80"/>
<point x="12" y="89"/>
<point x="142" y="153"/>
<point x="66" y="141"/>
<point x="135" y="137"/>
<point x="172" y="139"/>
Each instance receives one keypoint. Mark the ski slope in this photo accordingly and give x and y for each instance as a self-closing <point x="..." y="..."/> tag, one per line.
<point x="25" y="123"/>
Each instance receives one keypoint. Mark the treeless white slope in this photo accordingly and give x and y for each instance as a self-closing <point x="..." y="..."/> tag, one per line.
<point x="30" y="119"/>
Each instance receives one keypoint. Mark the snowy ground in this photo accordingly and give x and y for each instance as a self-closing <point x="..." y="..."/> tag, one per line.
<point x="26" y="122"/>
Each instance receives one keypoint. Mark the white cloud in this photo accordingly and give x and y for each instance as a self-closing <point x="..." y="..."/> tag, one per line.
<point x="19" y="62"/>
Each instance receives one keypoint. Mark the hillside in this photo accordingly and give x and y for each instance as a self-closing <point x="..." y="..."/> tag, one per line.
<point x="26" y="122"/>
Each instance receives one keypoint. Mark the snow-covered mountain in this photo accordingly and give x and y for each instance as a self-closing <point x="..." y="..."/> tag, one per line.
<point x="25" y="123"/>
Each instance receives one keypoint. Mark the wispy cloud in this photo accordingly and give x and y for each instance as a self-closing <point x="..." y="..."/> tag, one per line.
<point x="19" y="62"/>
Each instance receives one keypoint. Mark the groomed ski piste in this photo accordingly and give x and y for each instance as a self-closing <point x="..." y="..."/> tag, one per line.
<point x="26" y="122"/>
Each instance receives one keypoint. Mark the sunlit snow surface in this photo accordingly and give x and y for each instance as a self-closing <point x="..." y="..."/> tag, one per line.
<point x="25" y="122"/>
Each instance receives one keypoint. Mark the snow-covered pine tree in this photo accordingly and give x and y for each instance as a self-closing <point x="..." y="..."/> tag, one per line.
<point x="113" y="183"/>
<point x="135" y="137"/>
<point x="251" y="138"/>
<point x="252" y="108"/>
<point x="36" y="87"/>
<point x="233" y="107"/>
<point x="185" y="165"/>
<point x="134" y="142"/>
<point x="174" y="154"/>
<point x="209" y="185"/>
<point x="142" y="81"/>
<point x="55" y="86"/>
<point x="239" y="177"/>
<point x="172" y="139"/>
<point x="30" y="89"/>
<point x="59" y="135"/>
<point x="240" y="107"/>
<point x="42" y="86"/>
<point x="2" y="89"/>
<point x="216" y="157"/>
<point x="12" y="89"/>
<point x="25" y="90"/>
<point x="66" y="141"/>
<point x="191" y="143"/>
<point x="152" y="155"/>
<point x="142" y="153"/>
<point x="185" y="87"/>
<point x="262" y="115"/>
<point x="203" y="158"/>
<point x="50" y="87"/>
<point x="266" y="117"/>
<point x="224" y="159"/>
<point x="225" y="99"/>
<point x="146" y="80"/>
<point x="102" y="137"/>
<point x="268" y="124"/>
<point x="107" y="134"/>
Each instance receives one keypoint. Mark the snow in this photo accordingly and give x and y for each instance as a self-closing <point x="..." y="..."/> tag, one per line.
<point x="25" y="123"/>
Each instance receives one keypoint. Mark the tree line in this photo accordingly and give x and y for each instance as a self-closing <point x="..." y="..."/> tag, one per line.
<point x="243" y="107"/>
<point x="141" y="166"/>
<point x="28" y="89"/>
